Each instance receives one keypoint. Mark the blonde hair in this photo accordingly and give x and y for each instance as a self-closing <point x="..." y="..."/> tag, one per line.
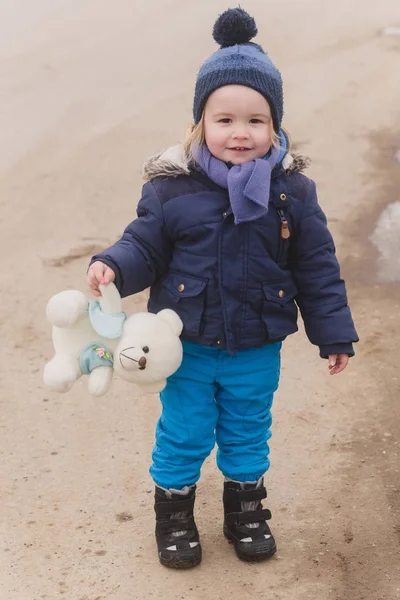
<point x="196" y="136"/>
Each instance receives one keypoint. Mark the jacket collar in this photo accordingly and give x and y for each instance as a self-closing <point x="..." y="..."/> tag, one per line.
<point x="174" y="162"/>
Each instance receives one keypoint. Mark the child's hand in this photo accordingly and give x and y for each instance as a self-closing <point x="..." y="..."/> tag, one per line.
<point x="337" y="363"/>
<point x="99" y="274"/>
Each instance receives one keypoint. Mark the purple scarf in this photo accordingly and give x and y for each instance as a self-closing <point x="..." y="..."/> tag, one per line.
<point x="247" y="184"/>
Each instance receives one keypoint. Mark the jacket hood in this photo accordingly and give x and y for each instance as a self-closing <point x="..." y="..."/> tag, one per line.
<point x="174" y="162"/>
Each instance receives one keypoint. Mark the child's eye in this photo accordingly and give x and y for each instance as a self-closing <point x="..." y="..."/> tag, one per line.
<point x="225" y="120"/>
<point x="255" y="121"/>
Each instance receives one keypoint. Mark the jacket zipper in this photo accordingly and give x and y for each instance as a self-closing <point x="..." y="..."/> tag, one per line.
<point x="285" y="231"/>
<point x="284" y="236"/>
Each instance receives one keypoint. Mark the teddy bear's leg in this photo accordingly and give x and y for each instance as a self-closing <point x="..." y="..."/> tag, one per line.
<point x="61" y="373"/>
<point x="100" y="380"/>
<point x="65" y="308"/>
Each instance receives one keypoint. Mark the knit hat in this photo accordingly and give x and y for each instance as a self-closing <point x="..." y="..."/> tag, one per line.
<point x="240" y="62"/>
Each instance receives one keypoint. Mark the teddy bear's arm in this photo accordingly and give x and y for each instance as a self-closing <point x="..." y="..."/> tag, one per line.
<point x="65" y="308"/>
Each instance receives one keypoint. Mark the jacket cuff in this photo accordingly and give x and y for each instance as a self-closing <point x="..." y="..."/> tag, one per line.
<point x="341" y="348"/>
<point x="118" y="277"/>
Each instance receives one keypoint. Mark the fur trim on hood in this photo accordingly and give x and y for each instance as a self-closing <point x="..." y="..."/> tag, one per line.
<point x="174" y="162"/>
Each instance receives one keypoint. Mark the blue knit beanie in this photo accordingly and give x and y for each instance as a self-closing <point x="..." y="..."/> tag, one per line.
<point x="239" y="62"/>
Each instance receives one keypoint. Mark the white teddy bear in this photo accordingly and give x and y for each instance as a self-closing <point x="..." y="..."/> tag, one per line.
<point x="96" y="338"/>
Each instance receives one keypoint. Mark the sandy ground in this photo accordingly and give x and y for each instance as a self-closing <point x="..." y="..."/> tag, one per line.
<point x="87" y="91"/>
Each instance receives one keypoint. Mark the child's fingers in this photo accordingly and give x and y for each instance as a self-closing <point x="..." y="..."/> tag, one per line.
<point x="337" y="363"/>
<point x="108" y="276"/>
<point x="332" y="361"/>
<point x="94" y="292"/>
<point x="97" y="269"/>
<point x="343" y="362"/>
<point x="93" y="287"/>
<point x="93" y="280"/>
<point x="95" y="276"/>
<point x="99" y="274"/>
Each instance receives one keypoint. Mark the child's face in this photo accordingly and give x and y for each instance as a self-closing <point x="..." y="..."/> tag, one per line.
<point x="237" y="124"/>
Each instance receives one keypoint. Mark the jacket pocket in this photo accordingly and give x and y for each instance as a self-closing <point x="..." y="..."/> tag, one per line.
<point x="279" y="308"/>
<point x="186" y="295"/>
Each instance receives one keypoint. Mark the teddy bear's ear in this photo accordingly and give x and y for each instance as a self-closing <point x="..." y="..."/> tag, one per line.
<point x="170" y="317"/>
<point x="110" y="300"/>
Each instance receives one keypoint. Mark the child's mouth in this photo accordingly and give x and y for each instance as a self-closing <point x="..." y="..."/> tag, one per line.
<point x="239" y="149"/>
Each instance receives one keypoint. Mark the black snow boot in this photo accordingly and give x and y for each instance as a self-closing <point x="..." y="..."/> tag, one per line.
<point x="245" y="520"/>
<point x="176" y="532"/>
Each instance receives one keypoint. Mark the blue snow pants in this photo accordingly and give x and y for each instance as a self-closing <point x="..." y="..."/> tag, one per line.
<point x="216" y="397"/>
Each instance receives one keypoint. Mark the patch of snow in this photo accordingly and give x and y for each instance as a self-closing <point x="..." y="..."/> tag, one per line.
<point x="386" y="238"/>
<point x="391" y="31"/>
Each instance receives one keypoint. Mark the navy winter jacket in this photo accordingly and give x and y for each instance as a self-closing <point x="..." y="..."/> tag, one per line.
<point x="234" y="286"/>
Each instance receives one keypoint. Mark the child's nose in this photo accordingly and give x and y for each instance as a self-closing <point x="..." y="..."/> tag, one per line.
<point x="241" y="134"/>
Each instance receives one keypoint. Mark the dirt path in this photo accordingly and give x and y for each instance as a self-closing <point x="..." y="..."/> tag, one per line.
<point x="85" y="96"/>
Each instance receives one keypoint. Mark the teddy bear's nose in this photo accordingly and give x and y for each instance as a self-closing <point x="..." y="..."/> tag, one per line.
<point x="142" y="362"/>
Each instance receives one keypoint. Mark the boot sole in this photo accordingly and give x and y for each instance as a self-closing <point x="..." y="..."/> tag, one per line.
<point x="249" y="557"/>
<point x="180" y="563"/>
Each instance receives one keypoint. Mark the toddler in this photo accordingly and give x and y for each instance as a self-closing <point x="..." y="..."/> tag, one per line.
<point x="229" y="234"/>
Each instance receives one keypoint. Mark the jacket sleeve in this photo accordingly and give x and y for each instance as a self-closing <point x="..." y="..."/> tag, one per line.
<point x="321" y="297"/>
<point x="144" y="251"/>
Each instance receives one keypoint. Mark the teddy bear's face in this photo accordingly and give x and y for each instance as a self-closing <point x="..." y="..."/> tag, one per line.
<point x="149" y="349"/>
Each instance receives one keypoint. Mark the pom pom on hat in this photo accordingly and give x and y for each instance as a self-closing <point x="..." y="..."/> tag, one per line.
<point x="234" y="26"/>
